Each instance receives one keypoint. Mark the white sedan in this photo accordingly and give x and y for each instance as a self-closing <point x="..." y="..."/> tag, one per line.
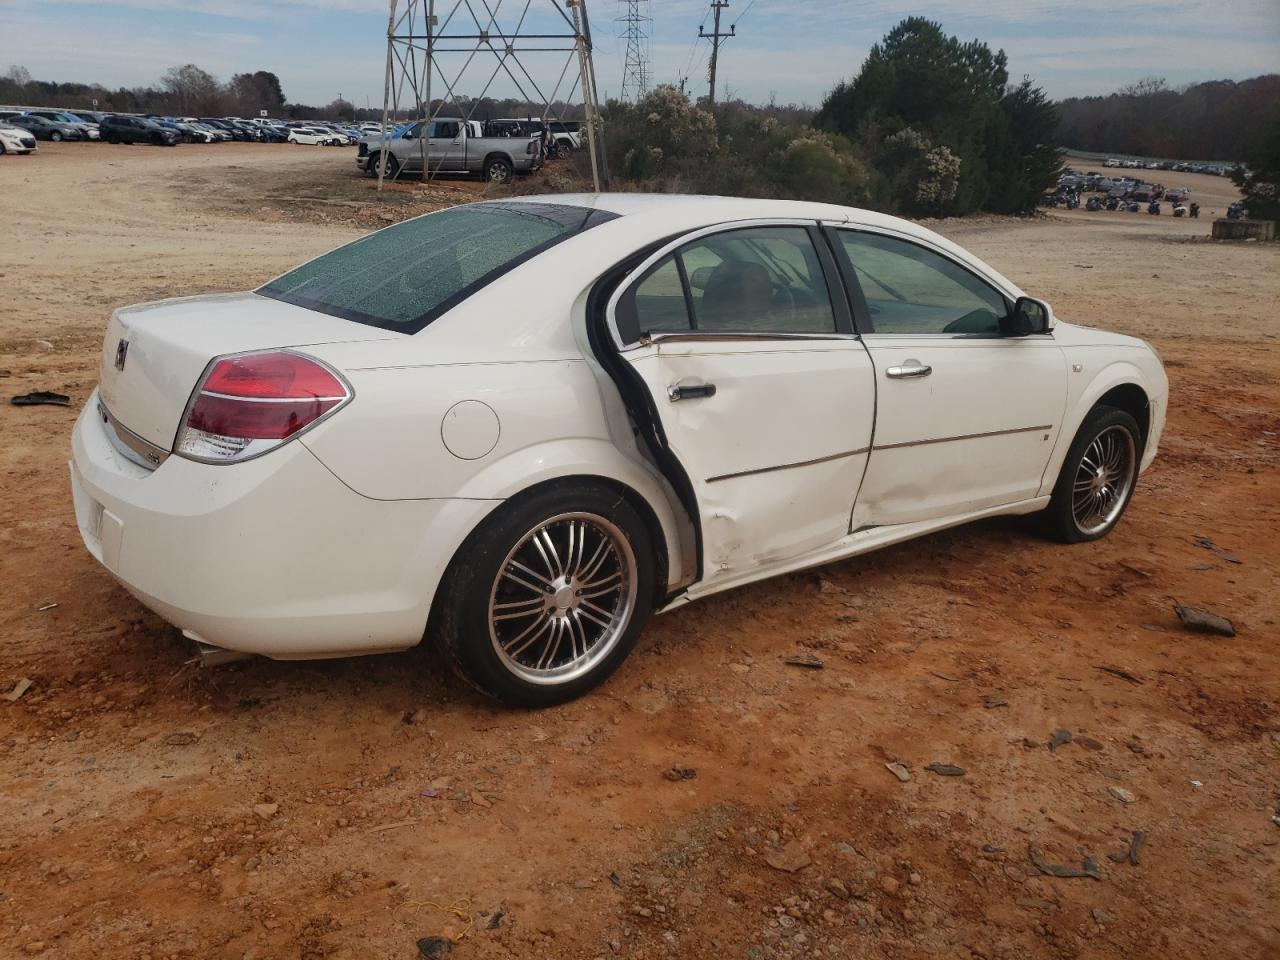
<point x="520" y="427"/>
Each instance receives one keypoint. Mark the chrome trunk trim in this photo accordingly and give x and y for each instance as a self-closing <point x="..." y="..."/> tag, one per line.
<point x="135" y="449"/>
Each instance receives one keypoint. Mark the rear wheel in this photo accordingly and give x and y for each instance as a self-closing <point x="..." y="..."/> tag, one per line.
<point x="547" y="597"/>
<point x="1097" y="478"/>
<point x="498" y="170"/>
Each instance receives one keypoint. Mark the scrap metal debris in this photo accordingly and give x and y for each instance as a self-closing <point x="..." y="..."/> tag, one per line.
<point x="1204" y="622"/>
<point x="1212" y="547"/>
<point x="1131" y="853"/>
<point x="804" y="660"/>
<point x="38" y="397"/>
<point x="1089" y="868"/>
<point x="1117" y="672"/>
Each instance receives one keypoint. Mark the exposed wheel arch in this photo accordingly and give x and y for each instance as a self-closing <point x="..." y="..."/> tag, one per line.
<point x="1133" y="400"/>
<point x="636" y="500"/>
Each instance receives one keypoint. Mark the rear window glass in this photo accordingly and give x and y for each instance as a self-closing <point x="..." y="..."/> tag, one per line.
<point x="403" y="277"/>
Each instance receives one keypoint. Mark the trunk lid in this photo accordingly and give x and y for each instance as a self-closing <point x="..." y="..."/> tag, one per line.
<point x="170" y="343"/>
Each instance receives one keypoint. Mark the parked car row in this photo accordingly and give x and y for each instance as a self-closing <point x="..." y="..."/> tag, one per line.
<point x="67" y="125"/>
<point x="1177" y="166"/>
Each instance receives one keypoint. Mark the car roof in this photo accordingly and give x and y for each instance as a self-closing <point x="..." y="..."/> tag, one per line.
<point x="643" y="218"/>
<point x="710" y="209"/>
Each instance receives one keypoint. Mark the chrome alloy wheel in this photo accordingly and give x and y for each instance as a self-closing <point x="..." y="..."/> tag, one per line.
<point x="563" y="598"/>
<point x="1103" y="480"/>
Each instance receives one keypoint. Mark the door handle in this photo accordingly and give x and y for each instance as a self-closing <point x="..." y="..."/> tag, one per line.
<point x="912" y="368"/>
<point x="690" y="391"/>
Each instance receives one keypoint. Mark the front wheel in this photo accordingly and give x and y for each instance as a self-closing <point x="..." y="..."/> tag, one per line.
<point x="547" y="597"/>
<point x="56" y="137"/>
<point x="1097" y="478"/>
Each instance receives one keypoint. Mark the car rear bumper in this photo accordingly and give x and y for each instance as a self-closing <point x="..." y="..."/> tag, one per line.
<point x="273" y="556"/>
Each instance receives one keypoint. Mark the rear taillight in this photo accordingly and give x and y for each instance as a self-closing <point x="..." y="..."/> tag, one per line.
<point x="248" y="404"/>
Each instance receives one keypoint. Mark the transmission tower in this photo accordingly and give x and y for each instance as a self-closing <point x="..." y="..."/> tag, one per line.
<point x="426" y="39"/>
<point x="717" y="37"/>
<point x="635" y="30"/>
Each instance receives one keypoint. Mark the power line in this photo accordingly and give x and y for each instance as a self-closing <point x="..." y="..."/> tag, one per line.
<point x="693" y="48"/>
<point x="717" y="37"/>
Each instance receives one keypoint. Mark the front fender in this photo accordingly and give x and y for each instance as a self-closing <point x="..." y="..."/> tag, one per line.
<point x="1084" y="395"/>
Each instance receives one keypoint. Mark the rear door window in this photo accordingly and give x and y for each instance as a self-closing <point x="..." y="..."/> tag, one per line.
<point x="754" y="280"/>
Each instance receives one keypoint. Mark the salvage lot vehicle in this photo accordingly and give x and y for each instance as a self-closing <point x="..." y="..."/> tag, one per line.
<point x="314" y="136"/>
<point x="16" y="139"/>
<point x="43" y="129"/>
<point x="451" y="146"/>
<point x="522" y="425"/>
<point x="121" y="128"/>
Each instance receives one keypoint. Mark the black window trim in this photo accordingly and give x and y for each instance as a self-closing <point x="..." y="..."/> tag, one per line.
<point x="624" y="304"/>
<point x="862" y="313"/>
<point x="588" y="217"/>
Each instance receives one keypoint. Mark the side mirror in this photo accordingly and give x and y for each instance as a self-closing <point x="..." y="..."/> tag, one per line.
<point x="1028" y="316"/>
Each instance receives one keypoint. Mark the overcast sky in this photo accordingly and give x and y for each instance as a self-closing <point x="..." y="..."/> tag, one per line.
<point x="791" y="50"/>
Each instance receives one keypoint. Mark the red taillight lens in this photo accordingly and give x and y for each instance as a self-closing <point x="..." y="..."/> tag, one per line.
<point x="251" y="403"/>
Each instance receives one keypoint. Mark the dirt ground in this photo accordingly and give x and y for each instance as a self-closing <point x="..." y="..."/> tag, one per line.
<point x="346" y="809"/>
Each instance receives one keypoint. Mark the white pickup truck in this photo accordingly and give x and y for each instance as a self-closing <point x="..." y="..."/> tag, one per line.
<point x="447" y="145"/>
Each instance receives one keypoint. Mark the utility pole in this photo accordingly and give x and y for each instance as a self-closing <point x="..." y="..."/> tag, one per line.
<point x="683" y="82"/>
<point x="716" y="37"/>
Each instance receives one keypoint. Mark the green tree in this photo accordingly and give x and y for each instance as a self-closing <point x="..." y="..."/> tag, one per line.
<point x="952" y="96"/>
<point x="1260" y="183"/>
<point x="1023" y="159"/>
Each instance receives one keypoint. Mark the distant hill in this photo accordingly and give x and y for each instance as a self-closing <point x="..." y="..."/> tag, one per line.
<point x="1218" y="120"/>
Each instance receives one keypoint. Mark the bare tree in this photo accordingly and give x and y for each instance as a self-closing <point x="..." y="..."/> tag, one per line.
<point x="194" y="91"/>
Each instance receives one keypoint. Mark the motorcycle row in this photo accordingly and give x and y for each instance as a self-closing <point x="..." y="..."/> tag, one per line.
<point x="1071" y="200"/>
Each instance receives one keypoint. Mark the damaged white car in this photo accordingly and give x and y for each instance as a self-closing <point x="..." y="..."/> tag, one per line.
<point x="517" y="428"/>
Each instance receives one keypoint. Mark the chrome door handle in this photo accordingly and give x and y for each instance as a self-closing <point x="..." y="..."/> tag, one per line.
<point x="690" y="391"/>
<point x="912" y="368"/>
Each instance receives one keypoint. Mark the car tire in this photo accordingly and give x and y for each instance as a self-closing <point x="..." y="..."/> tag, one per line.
<point x="55" y="137"/>
<point x="393" y="166"/>
<point x="532" y="559"/>
<point x="498" y="170"/>
<point x="1097" y="477"/>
